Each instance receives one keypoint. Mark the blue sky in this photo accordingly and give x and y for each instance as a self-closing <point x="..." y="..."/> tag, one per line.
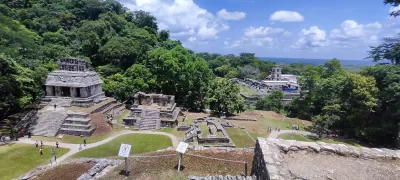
<point x="275" y="28"/>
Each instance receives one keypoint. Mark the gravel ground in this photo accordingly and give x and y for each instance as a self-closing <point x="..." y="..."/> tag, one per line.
<point x="313" y="166"/>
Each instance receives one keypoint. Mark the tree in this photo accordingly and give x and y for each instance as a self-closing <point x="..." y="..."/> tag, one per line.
<point x="223" y="96"/>
<point x="10" y="90"/>
<point x="164" y="35"/>
<point x="143" y="19"/>
<point x="388" y="50"/>
<point x="272" y="102"/>
<point x="393" y="3"/>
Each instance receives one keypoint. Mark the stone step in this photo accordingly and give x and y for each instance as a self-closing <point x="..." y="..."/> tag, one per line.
<point x="77" y="132"/>
<point x="76" y="126"/>
<point x="77" y="120"/>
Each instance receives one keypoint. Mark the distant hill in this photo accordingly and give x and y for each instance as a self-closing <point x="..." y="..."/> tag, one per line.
<point x="345" y="63"/>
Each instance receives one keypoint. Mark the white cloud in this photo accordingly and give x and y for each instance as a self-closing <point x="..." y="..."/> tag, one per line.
<point x="236" y="15"/>
<point x="311" y="38"/>
<point x="183" y="18"/>
<point x="192" y="39"/>
<point x="394" y="8"/>
<point x="286" y="16"/>
<point x="246" y="41"/>
<point x="261" y="31"/>
<point x="287" y="33"/>
<point x="350" y="33"/>
<point x="350" y="30"/>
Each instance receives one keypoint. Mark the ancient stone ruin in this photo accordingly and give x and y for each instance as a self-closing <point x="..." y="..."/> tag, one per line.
<point x="278" y="159"/>
<point x="153" y="111"/>
<point x="73" y="84"/>
<point x="208" y="132"/>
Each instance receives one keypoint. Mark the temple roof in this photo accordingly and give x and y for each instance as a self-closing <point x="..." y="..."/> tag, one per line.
<point x="73" y="78"/>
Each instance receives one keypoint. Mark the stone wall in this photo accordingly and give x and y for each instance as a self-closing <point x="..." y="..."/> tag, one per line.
<point x="259" y="164"/>
<point x="269" y="153"/>
<point x="98" y="169"/>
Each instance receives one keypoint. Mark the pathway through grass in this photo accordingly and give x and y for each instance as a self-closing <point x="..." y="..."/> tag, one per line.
<point x="17" y="159"/>
<point x="141" y="143"/>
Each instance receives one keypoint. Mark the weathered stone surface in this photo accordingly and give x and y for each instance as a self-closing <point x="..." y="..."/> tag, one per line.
<point x="269" y="152"/>
<point x="221" y="177"/>
<point x="100" y="165"/>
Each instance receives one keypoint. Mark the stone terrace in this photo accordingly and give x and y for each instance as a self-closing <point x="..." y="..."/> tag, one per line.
<point x="275" y="157"/>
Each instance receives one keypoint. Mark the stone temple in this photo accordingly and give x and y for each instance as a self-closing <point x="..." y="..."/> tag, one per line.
<point x="153" y="111"/>
<point x="73" y="84"/>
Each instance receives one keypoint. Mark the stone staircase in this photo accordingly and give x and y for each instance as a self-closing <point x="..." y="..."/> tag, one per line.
<point x="48" y="123"/>
<point x="149" y="119"/>
<point x="61" y="102"/>
<point x="77" y="123"/>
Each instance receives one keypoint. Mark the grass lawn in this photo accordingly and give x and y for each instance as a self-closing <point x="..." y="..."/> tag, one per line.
<point x="259" y="128"/>
<point x="204" y="129"/>
<point x="141" y="143"/>
<point x="247" y="90"/>
<point x="17" y="159"/>
<point x="240" y="137"/>
<point x="300" y="137"/>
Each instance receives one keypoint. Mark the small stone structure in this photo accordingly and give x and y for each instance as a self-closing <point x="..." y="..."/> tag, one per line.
<point x="269" y="155"/>
<point x="153" y="111"/>
<point x="73" y="84"/>
<point x="195" y="133"/>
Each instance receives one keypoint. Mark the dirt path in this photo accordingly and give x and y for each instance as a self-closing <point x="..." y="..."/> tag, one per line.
<point x="275" y="134"/>
<point x="74" y="148"/>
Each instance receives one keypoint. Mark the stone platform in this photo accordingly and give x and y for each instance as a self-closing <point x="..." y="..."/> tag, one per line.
<point x="269" y="157"/>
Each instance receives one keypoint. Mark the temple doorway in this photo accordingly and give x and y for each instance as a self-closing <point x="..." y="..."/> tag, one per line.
<point x="65" y="92"/>
<point x="77" y="92"/>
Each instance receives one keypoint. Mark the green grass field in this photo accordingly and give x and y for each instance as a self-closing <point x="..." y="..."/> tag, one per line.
<point x="246" y="90"/>
<point x="259" y="128"/>
<point x="299" y="137"/>
<point x="240" y="138"/>
<point x="204" y="129"/>
<point x="141" y="143"/>
<point x="17" y="159"/>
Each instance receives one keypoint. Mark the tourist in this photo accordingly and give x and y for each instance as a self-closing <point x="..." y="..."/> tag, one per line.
<point x="36" y="144"/>
<point x="57" y="144"/>
<point x="29" y="134"/>
<point x="41" y="143"/>
<point x="53" y="151"/>
<point x="84" y="142"/>
<point x="21" y="133"/>
<point x="41" y="151"/>
<point x="55" y="106"/>
<point x="80" y="147"/>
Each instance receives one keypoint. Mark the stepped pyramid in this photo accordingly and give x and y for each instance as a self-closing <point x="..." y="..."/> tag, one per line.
<point x="77" y="123"/>
<point x="149" y="119"/>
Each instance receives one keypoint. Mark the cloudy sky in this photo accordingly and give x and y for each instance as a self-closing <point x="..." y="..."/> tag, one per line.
<point x="275" y="28"/>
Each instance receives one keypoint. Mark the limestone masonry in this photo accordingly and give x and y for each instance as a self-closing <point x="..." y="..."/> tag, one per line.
<point x="153" y="111"/>
<point x="268" y="155"/>
<point x="73" y="84"/>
